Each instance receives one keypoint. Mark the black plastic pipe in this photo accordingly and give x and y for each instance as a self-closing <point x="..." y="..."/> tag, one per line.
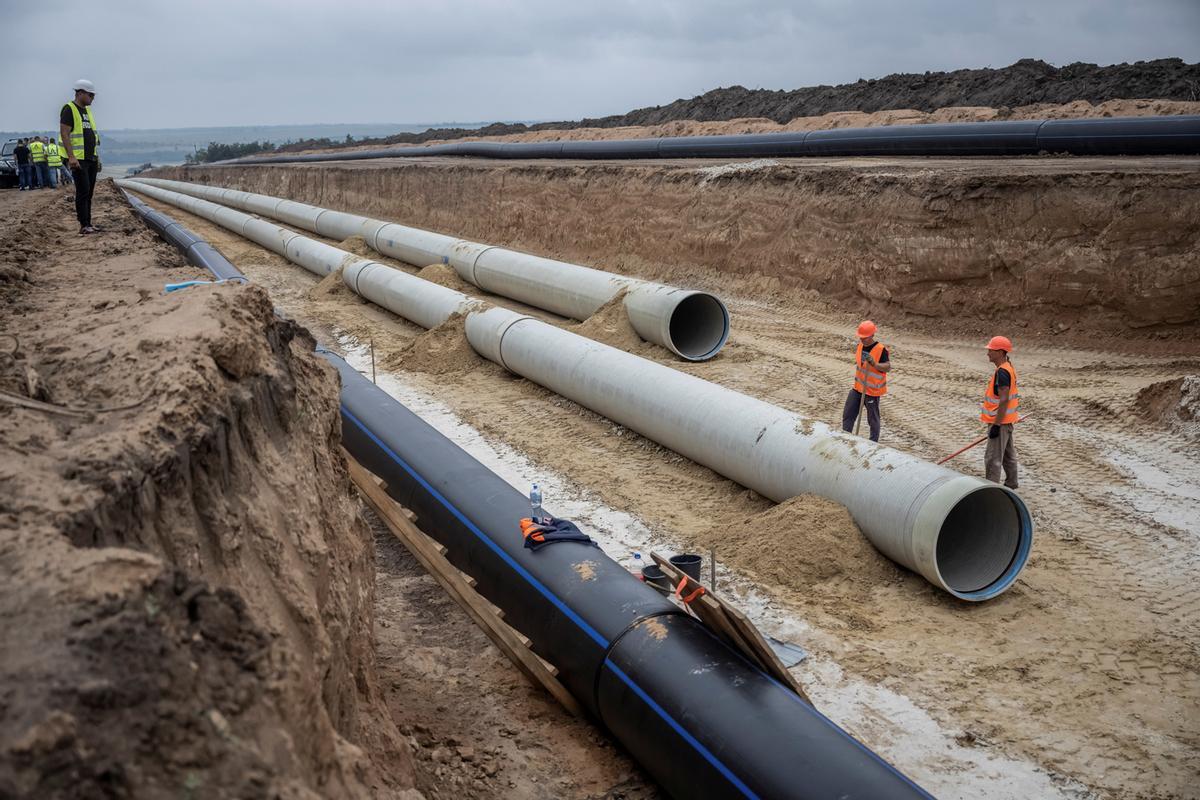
<point x="196" y="250"/>
<point x="1134" y="136"/>
<point x="697" y="715"/>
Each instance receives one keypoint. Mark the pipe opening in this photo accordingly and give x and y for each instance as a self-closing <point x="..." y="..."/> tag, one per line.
<point x="699" y="326"/>
<point x="983" y="543"/>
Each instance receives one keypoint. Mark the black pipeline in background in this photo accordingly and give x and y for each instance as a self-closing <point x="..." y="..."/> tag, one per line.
<point x="196" y="250"/>
<point x="1130" y="136"/>
<point x="698" y="716"/>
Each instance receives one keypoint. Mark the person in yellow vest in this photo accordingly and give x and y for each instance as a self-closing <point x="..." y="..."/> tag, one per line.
<point x="999" y="411"/>
<point x="872" y="362"/>
<point x="53" y="163"/>
<point x="77" y="127"/>
<point x="37" y="152"/>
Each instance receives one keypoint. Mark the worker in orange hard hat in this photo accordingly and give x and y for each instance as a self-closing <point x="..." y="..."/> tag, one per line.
<point x="999" y="411"/>
<point x="872" y="362"/>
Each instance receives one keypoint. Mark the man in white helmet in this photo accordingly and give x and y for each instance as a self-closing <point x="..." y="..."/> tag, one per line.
<point x="82" y="140"/>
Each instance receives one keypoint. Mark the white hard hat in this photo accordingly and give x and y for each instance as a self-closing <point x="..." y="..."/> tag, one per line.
<point x="85" y="85"/>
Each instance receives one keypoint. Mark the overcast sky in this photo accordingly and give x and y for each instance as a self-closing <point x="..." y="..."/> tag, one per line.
<point x="237" y="62"/>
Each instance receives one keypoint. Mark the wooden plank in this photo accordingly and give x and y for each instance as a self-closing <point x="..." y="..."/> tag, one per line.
<point x="510" y="642"/>
<point x="704" y="607"/>
<point x="766" y="653"/>
<point x="733" y="626"/>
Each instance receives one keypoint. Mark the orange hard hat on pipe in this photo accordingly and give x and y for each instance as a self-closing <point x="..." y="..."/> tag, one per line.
<point x="1000" y="343"/>
<point x="866" y="328"/>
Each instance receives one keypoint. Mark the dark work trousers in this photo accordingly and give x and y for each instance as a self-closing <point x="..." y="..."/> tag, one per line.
<point x="850" y="413"/>
<point x="1001" y="453"/>
<point x="85" y="184"/>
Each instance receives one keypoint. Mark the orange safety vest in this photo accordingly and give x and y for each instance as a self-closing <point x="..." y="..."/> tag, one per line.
<point x="865" y="375"/>
<point x="991" y="400"/>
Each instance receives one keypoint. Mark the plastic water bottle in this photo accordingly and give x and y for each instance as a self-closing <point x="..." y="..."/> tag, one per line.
<point x="535" y="502"/>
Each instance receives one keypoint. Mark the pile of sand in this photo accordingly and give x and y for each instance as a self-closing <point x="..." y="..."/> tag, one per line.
<point x="799" y="544"/>
<point x="444" y="275"/>
<point x="357" y="245"/>
<point x="610" y="324"/>
<point x="442" y="350"/>
<point x="330" y="286"/>
<point x="1173" y="404"/>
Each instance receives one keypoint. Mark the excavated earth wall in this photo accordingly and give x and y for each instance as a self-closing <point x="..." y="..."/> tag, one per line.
<point x="186" y="586"/>
<point x="1108" y="244"/>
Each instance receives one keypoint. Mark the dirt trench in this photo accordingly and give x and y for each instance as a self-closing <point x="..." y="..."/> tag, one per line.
<point x="186" y="586"/>
<point x="1094" y="245"/>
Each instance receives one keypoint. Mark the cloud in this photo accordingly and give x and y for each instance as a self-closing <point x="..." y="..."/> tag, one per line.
<point x="222" y="62"/>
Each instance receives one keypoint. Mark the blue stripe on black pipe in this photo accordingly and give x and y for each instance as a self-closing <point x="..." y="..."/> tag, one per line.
<point x="696" y="714"/>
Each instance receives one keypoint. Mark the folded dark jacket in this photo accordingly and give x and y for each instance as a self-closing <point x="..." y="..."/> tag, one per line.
<point x="541" y="534"/>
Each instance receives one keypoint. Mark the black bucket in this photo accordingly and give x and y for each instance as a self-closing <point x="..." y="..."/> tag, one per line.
<point x="654" y="576"/>
<point x="688" y="564"/>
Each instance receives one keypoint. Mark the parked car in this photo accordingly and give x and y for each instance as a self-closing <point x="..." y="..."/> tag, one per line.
<point x="8" y="165"/>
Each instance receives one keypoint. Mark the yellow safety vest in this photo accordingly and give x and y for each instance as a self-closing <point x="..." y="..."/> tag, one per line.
<point x="53" y="156"/>
<point x="37" y="152"/>
<point x="77" y="130"/>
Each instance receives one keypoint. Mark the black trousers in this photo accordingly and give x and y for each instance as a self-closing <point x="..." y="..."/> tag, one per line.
<point x="850" y="413"/>
<point x="85" y="185"/>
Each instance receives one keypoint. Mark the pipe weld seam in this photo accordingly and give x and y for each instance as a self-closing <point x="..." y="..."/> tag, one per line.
<point x="475" y="260"/>
<point x="500" y="340"/>
<point x="612" y="645"/>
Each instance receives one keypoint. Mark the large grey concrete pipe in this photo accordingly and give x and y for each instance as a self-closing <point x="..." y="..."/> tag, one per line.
<point x="694" y="325"/>
<point x="965" y="535"/>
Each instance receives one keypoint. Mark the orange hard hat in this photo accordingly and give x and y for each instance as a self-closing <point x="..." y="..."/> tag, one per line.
<point x="866" y="328"/>
<point x="1000" y="343"/>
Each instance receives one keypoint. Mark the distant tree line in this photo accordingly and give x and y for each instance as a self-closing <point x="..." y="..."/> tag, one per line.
<point x="216" y="151"/>
<point x="219" y="152"/>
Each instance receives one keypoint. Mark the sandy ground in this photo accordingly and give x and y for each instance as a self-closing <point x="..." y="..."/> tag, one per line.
<point x="1087" y="668"/>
